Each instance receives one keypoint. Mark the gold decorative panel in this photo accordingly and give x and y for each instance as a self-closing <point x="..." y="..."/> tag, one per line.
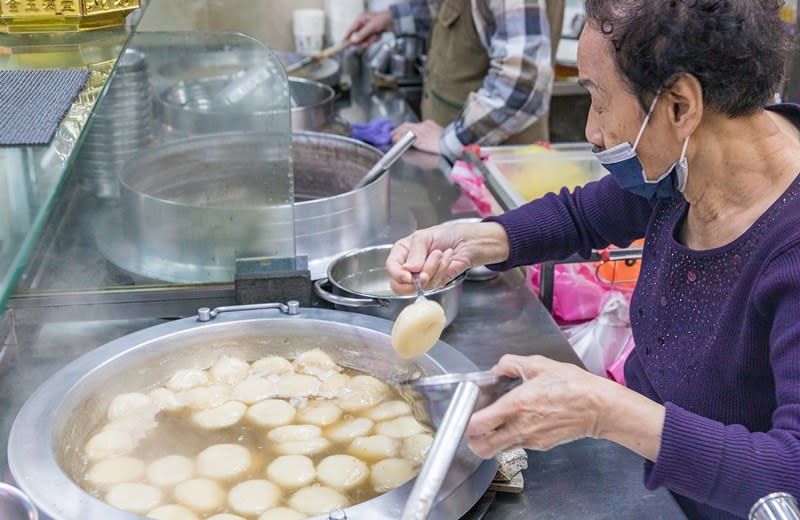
<point x="62" y="15"/>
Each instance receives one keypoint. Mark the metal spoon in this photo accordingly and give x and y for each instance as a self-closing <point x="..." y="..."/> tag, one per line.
<point x="388" y="159"/>
<point x="467" y="393"/>
<point x="418" y="285"/>
<point x="445" y="444"/>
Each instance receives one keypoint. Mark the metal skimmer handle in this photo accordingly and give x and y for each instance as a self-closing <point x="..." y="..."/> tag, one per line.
<point x="437" y="463"/>
<point x="291" y="308"/>
<point x="388" y="159"/>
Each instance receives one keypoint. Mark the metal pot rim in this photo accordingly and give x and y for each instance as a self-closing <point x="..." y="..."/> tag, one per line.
<point x="455" y="282"/>
<point x="161" y="151"/>
<point x="330" y="94"/>
<point x="37" y="472"/>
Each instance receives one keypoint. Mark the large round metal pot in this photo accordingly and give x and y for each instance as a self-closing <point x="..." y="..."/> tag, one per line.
<point x="50" y="431"/>
<point x="359" y="282"/>
<point x="187" y="108"/>
<point x="191" y="207"/>
<point x="209" y="64"/>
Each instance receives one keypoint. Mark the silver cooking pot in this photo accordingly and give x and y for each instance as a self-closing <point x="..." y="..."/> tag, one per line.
<point x="187" y="108"/>
<point x="359" y="282"/>
<point x="48" y="434"/>
<point x="191" y="207"/>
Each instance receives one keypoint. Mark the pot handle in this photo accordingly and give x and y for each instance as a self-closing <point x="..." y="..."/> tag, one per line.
<point x="291" y="308"/>
<point x="335" y="299"/>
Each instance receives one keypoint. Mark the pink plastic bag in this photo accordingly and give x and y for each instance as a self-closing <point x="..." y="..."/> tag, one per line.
<point x="577" y="293"/>
<point x="616" y="371"/>
<point x="602" y="344"/>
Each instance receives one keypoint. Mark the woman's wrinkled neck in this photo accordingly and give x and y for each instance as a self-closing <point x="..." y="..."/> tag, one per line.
<point x="739" y="168"/>
<point x="738" y="162"/>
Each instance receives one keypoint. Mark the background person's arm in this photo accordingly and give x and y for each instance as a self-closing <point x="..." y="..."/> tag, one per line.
<point x="412" y="17"/>
<point x="516" y="90"/>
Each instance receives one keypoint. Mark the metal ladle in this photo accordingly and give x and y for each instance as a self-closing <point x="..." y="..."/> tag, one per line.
<point x="388" y="159"/>
<point x="473" y="391"/>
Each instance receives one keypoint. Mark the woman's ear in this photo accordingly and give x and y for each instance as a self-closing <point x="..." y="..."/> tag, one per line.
<point x="685" y="104"/>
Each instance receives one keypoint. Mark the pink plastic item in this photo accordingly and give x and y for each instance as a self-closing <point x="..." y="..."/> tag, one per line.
<point x="616" y="370"/>
<point x="577" y="293"/>
<point x="472" y="186"/>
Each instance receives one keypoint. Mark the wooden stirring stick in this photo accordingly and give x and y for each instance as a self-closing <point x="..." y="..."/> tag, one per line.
<point x="323" y="54"/>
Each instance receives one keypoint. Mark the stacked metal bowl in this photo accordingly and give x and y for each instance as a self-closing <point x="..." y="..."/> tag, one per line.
<point x="120" y="127"/>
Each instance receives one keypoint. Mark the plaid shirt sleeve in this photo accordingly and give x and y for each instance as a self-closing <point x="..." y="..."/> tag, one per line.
<point x="413" y="16"/>
<point x="516" y="90"/>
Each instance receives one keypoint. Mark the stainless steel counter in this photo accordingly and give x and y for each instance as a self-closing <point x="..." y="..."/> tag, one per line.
<point x="584" y="479"/>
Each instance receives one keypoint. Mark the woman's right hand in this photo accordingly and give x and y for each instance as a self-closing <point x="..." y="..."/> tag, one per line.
<point x="368" y="28"/>
<point x="440" y="253"/>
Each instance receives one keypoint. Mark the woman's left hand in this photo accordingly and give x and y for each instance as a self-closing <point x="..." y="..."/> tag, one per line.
<point x="558" y="403"/>
<point x="555" y="404"/>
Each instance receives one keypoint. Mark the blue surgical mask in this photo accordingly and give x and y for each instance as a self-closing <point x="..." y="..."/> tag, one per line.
<point x="624" y="166"/>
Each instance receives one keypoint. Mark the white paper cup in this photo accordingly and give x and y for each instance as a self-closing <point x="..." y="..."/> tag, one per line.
<point x="309" y="30"/>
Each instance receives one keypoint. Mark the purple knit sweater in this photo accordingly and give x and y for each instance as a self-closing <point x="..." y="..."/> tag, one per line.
<point x="717" y="337"/>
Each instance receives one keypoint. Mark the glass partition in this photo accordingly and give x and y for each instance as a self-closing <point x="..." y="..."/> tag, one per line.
<point x="213" y="182"/>
<point x="185" y="165"/>
<point x="186" y="168"/>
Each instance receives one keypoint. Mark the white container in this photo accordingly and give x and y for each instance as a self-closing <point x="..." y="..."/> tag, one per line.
<point x="341" y="15"/>
<point x="309" y="30"/>
<point x="379" y="5"/>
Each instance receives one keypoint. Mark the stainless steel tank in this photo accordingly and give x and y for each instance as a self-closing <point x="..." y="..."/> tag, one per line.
<point x="190" y="207"/>
<point x="49" y="432"/>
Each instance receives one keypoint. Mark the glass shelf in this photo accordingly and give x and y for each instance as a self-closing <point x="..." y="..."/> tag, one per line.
<point x="31" y="176"/>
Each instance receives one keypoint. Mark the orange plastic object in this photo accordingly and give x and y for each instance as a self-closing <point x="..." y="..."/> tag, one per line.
<point x="623" y="273"/>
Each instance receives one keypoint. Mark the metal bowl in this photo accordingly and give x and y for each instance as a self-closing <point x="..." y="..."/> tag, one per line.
<point x="360" y="283"/>
<point x="48" y="434"/>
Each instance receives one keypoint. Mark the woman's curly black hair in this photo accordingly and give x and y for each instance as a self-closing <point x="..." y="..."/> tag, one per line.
<point x="737" y="49"/>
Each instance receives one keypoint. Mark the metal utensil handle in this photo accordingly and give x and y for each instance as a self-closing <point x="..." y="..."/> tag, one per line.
<point x="291" y="308"/>
<point x="437" y="463"/>
<point x="388" y="158"/>
<point x="775" y="506"/>
<point x="344" y="300"/>
<point x="17" y="502"/>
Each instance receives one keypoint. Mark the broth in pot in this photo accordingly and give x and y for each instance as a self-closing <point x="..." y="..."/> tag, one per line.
<point x="269" y="440"/>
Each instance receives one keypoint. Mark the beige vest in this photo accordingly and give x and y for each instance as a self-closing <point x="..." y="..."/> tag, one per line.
<point x="458" y="62"/>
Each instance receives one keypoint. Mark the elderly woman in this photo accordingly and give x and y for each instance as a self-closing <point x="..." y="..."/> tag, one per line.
<point x="710" y="177"/>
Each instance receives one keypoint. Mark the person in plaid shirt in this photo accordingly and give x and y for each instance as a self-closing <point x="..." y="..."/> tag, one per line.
<point x="489" y="73"/>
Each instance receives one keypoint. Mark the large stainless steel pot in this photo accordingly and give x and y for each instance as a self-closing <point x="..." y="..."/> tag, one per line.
<point x="187" y="108"/>
<point x="312" y="104"/>
<point x="360" y="283"/>
<point x="189" y="208"/>
<point x="209" y="64"/>
<point x="53" y="425"/>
